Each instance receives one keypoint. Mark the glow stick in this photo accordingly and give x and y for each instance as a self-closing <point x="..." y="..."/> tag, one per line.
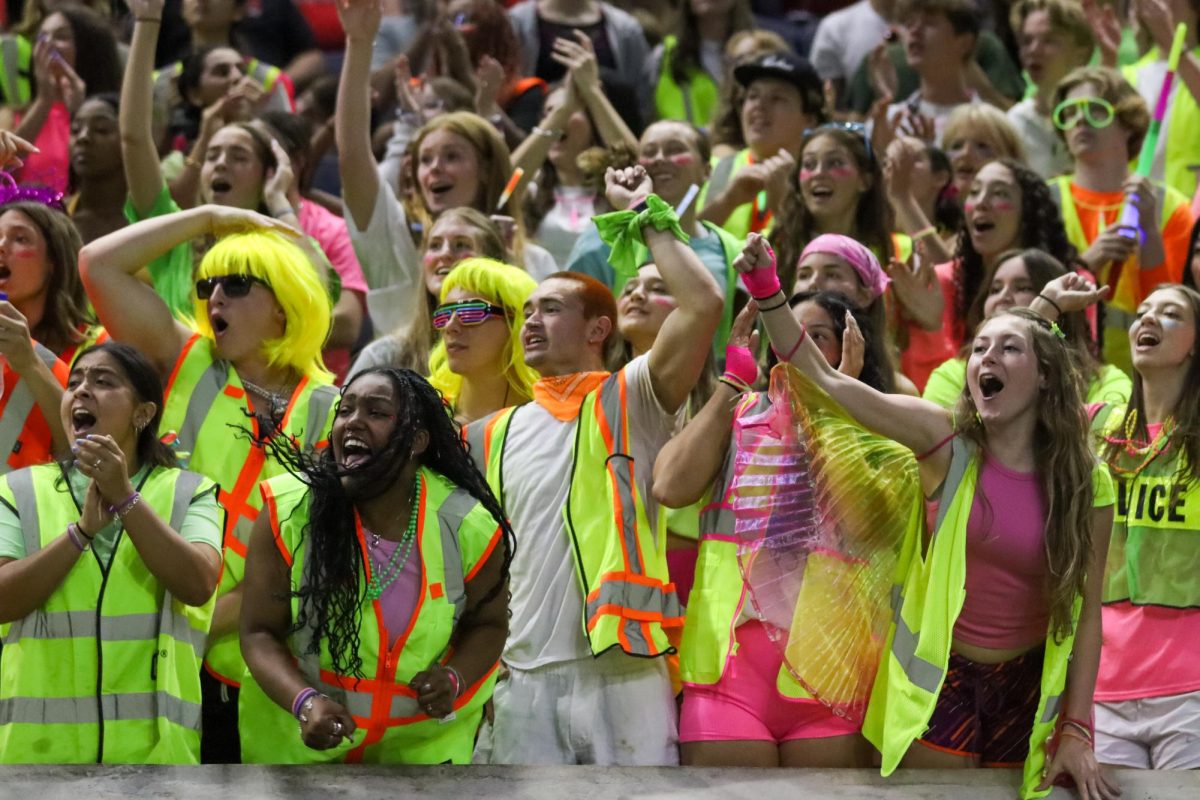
<point x="1130" y="225"/>
<point x="510" y="187"/>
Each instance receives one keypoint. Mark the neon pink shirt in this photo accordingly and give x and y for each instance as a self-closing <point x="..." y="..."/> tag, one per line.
<point x="928" y="350"/>
<point x="330" y="232"/>
<point x="1006" y="604"/>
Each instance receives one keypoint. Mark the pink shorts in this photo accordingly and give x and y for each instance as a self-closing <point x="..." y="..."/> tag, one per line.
<point x="745" y="705"/>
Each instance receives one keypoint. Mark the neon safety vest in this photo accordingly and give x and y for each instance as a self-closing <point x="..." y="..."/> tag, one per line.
<point x="272" y="79"/>
<point x="455" y="536"/>
<point x="16" y="70"/>
<point x="92" y="335"/>
<point x="746" y="218"/>
<point x="108" y="669"/>
<point x="206" y="418"/>
<point x="621" y="569"/>
<point x="24" y="433"/>
<point x="1153" y="551"/>
<point x="1127" y="289"/>
<point x="695" y="102"/>
<point x="927" y="599"/>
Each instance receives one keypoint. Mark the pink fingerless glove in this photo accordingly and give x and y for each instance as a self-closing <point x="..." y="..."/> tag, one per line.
<point x="740" y="364"/>
<point x="762" y="282"/>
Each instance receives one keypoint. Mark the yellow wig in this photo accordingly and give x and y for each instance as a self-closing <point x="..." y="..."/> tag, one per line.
<point x="283" y="266"/>
<point x="501" y="285"/>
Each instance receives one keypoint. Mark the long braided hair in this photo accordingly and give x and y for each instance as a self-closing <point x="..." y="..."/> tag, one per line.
<point x="333" y="588"/>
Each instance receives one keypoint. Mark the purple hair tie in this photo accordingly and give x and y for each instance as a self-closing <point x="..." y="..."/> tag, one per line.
<point x="12" y="192"/>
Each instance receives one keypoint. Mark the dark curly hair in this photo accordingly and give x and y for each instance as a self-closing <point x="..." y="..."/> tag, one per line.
<point x="331" y="594"/>
<point x="796" y="226"/>
<point x="1040" y="228"/>
<point x="876" y="369"/>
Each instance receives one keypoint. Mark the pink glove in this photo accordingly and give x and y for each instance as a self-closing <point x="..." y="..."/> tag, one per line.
<point x="740" y="365"/>
<point x="762" y="282"/>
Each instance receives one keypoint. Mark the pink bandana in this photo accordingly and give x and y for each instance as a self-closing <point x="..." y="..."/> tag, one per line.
<point x="856" y="255"/>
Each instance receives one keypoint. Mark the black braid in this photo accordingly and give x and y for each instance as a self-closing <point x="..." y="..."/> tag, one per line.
<point x="332" y="592"/>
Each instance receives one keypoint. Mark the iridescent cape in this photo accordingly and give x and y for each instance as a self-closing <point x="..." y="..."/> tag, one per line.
<point x="823" y="511"/>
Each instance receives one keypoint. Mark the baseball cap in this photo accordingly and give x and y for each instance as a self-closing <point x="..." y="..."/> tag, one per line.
<point x="782" y="65"/>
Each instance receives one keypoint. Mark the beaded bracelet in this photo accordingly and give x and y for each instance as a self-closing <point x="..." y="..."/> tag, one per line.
<point x="125" y="506"/>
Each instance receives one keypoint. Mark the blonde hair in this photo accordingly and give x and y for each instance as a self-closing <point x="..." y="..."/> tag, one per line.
<point x="285" y="268"/>
<point x="1128" y="106"/>
<point x="985" y="122"/>
<point x="495" y="168"/>
<point x="503" y="285"/>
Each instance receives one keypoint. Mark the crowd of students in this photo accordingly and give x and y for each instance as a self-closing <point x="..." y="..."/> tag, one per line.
<point x="678" y="382"/>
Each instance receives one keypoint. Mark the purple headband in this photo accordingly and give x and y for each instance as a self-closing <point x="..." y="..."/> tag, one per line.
<point x="863" y="260"/>
<point x="11" y="192"/>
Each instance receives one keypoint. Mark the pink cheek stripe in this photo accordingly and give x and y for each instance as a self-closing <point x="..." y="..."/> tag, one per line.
<point x="664" y="302"/>
<point x="1003" y="205"/>
<point x="968" y="207"/>
<point x="681" y="160"/>
<point x="806" y="174"/>
<point x="841" y="172"/>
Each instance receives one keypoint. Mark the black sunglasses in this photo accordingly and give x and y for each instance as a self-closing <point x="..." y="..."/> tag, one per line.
<point x="234" y="285"/>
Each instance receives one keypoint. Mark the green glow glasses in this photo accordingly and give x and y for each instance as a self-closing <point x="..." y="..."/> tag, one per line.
<point x="1098" y="112"/>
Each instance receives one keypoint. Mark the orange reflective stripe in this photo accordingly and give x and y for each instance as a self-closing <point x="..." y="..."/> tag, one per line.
<point x="487" y="553"/>
<point x="179" y="362"/>
<point x="270" y="505"/>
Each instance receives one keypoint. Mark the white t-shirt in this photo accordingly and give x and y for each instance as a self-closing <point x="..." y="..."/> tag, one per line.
<point x="937" y="112"/>
<point x="392" y="265"/>
<point x="1047" y="154"/>
<point x="844" y="39"/>
<point x="546" y="623"/>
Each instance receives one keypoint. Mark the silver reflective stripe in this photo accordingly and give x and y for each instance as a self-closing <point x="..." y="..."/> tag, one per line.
<point x="450" y="517"/>
<point x="1052" y="705"/>
<point x="960" y="458"/>
<point x="320" y="401"/>
<point x="920" y="673"/>
<point x="620" y="464"/>
<point x="633" y="634"/>
<point x="21" y="483"/>
<point x="204" y="394"/>
<point x="634" y="596"/>
<point x="20" y="403"/>
<point x="185" y="489"/>
<point x="82" y="710"/>
<point x="404" y="706"/>
<point x="477" y="443"/>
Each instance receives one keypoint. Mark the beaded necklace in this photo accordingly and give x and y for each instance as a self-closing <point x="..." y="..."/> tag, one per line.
<point x="381" y="579"/>
<point x="1135" y="448"/>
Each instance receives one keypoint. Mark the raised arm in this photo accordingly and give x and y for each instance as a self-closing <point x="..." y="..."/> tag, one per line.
<point x="360" y="179"/>
<point x="682" y="345"/>
<point x="915" y="423"/>
<point x="531" y="154"/>
<point x="690" y="462"/>
<point x="129" y="309"/>
<point x="580" y="58"/>
<point x="143" y="173"/>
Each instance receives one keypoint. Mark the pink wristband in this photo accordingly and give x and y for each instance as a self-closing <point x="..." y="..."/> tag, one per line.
<point x="762" y="282"/>
<point x="740" y="363"/>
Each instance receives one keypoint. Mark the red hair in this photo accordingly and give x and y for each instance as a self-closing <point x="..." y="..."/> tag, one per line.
<point x="597" y="300"/>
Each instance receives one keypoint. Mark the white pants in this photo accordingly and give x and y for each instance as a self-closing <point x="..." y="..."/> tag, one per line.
<point x="613" y="710"/>
<point x="1153" y="733"/>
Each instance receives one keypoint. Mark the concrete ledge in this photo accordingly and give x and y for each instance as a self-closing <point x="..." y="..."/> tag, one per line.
<point x="541" y="783"/>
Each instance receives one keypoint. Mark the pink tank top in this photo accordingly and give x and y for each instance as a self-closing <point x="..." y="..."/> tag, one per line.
<point x="399" y="600"/>
<point x="1006" y="605"/>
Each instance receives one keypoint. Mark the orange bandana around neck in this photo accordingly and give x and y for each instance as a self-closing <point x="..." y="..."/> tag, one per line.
<point x="562" y="395"/>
